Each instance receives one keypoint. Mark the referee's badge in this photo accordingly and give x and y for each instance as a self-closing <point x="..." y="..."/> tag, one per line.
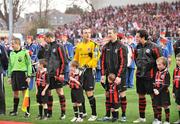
<point x="20" y="59"/>
<point x="89" y="49"/>
<point x="116" y="50"/>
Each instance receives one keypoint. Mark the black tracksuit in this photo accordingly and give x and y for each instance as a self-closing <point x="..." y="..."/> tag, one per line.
<point x="114" y="60"/>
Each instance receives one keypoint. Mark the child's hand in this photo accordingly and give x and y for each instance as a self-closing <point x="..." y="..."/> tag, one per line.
<point x="156" y="92"/>
<point x="28" y="80"/>
<point x="117" y="80"/>
<point x="173" y="95"/>
<point x="61" y="77"/>
<point x="43" y="93"/>
<point x="107" y="94"/>
<point x="102" y="79"/>
<point x="71" y="78"/>
<point x="9" y="81"/>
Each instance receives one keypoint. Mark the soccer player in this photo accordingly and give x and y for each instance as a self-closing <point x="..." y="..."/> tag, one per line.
<point x="114" y="60"/>
<point x="55" y="68"/>
<point x="146" y="54"/>
<point x="87" y="55"/>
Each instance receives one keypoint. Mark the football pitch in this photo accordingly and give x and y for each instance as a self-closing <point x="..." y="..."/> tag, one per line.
<point x="132" y="106"/>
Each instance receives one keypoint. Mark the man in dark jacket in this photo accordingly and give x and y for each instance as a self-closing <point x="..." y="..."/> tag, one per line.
<point x="3" y="67"/>
<point x="114" y="60"/>
<point x="55" y="68"/>
<point x="146" y="54"/>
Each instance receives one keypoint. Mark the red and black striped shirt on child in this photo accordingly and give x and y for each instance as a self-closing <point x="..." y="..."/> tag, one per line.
<point x="176" y="78"/>
<point x="41" y="78"/>
<point x="73" y="84"/>
<point x="160" y="80"/>
<point x="113" y="93"/>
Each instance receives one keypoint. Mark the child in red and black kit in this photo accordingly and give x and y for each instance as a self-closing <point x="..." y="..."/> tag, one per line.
<point x="161" y="91"/>
<point x="113" y="94"/>
<point x="77" y="96"/>
<point x="42" y="89"/>
<point x="176" y="85"/>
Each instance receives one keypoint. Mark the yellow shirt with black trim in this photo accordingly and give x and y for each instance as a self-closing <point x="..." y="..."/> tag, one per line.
<point x="87" y="53"/>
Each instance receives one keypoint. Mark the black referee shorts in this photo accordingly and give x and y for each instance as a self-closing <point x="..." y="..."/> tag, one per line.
<point x="18" y="79"/>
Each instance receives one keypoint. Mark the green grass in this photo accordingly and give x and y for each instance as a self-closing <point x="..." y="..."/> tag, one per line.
<point x="132" y="106"/>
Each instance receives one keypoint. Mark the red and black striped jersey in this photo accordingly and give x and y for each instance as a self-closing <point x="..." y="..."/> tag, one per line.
<point x="113" y="93"/>
<point x="176" y="78"/>
<point x="41" y="78"/>
<point x="162" y="80"/>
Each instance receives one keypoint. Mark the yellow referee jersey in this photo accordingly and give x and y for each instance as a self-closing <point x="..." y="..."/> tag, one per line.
<point x="87" y="53"/>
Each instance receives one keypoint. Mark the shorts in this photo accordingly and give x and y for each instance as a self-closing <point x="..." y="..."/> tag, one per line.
<point x="77" y="95"/>
<point x="144" y="86"/>
<point x="41" y="99"/>
<point x="88" y="80"/>
<point x="163" y="99"/>
<point x="123" y="85"/>
<point x="18" y="79"/>
<point x="55" y="84"/>
<point x="177" y="96"/>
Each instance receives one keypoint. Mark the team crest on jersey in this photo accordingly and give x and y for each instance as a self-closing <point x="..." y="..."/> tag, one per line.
<point x="76" y="77"/>
<point x="162" y="76"/>
<point x="148" y="51"/>
<point x="89" y="49"/>
<point x="116" y="50"/>
<point x="54" y="50"/>
<point x="20" y="59"/>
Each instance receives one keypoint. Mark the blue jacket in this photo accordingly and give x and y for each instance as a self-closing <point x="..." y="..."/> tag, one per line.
<point x="169" y="46"/>
<point x="33" y="50"/>
<point x="69" y="51"/>
<point x="165" y="52"/>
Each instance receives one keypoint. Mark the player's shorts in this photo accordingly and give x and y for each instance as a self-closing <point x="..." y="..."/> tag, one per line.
<point x="177" y="96"/>
<point x="41" y="99"/>
<point x="123" y="85"/>
<point x="163" y="99"/>
<point x="88" y="80"/>
<point x="18" y="79"/>
<point x="144" y="86"/>
<point x="55" y="84"/>
<point x="77" y="95"/>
